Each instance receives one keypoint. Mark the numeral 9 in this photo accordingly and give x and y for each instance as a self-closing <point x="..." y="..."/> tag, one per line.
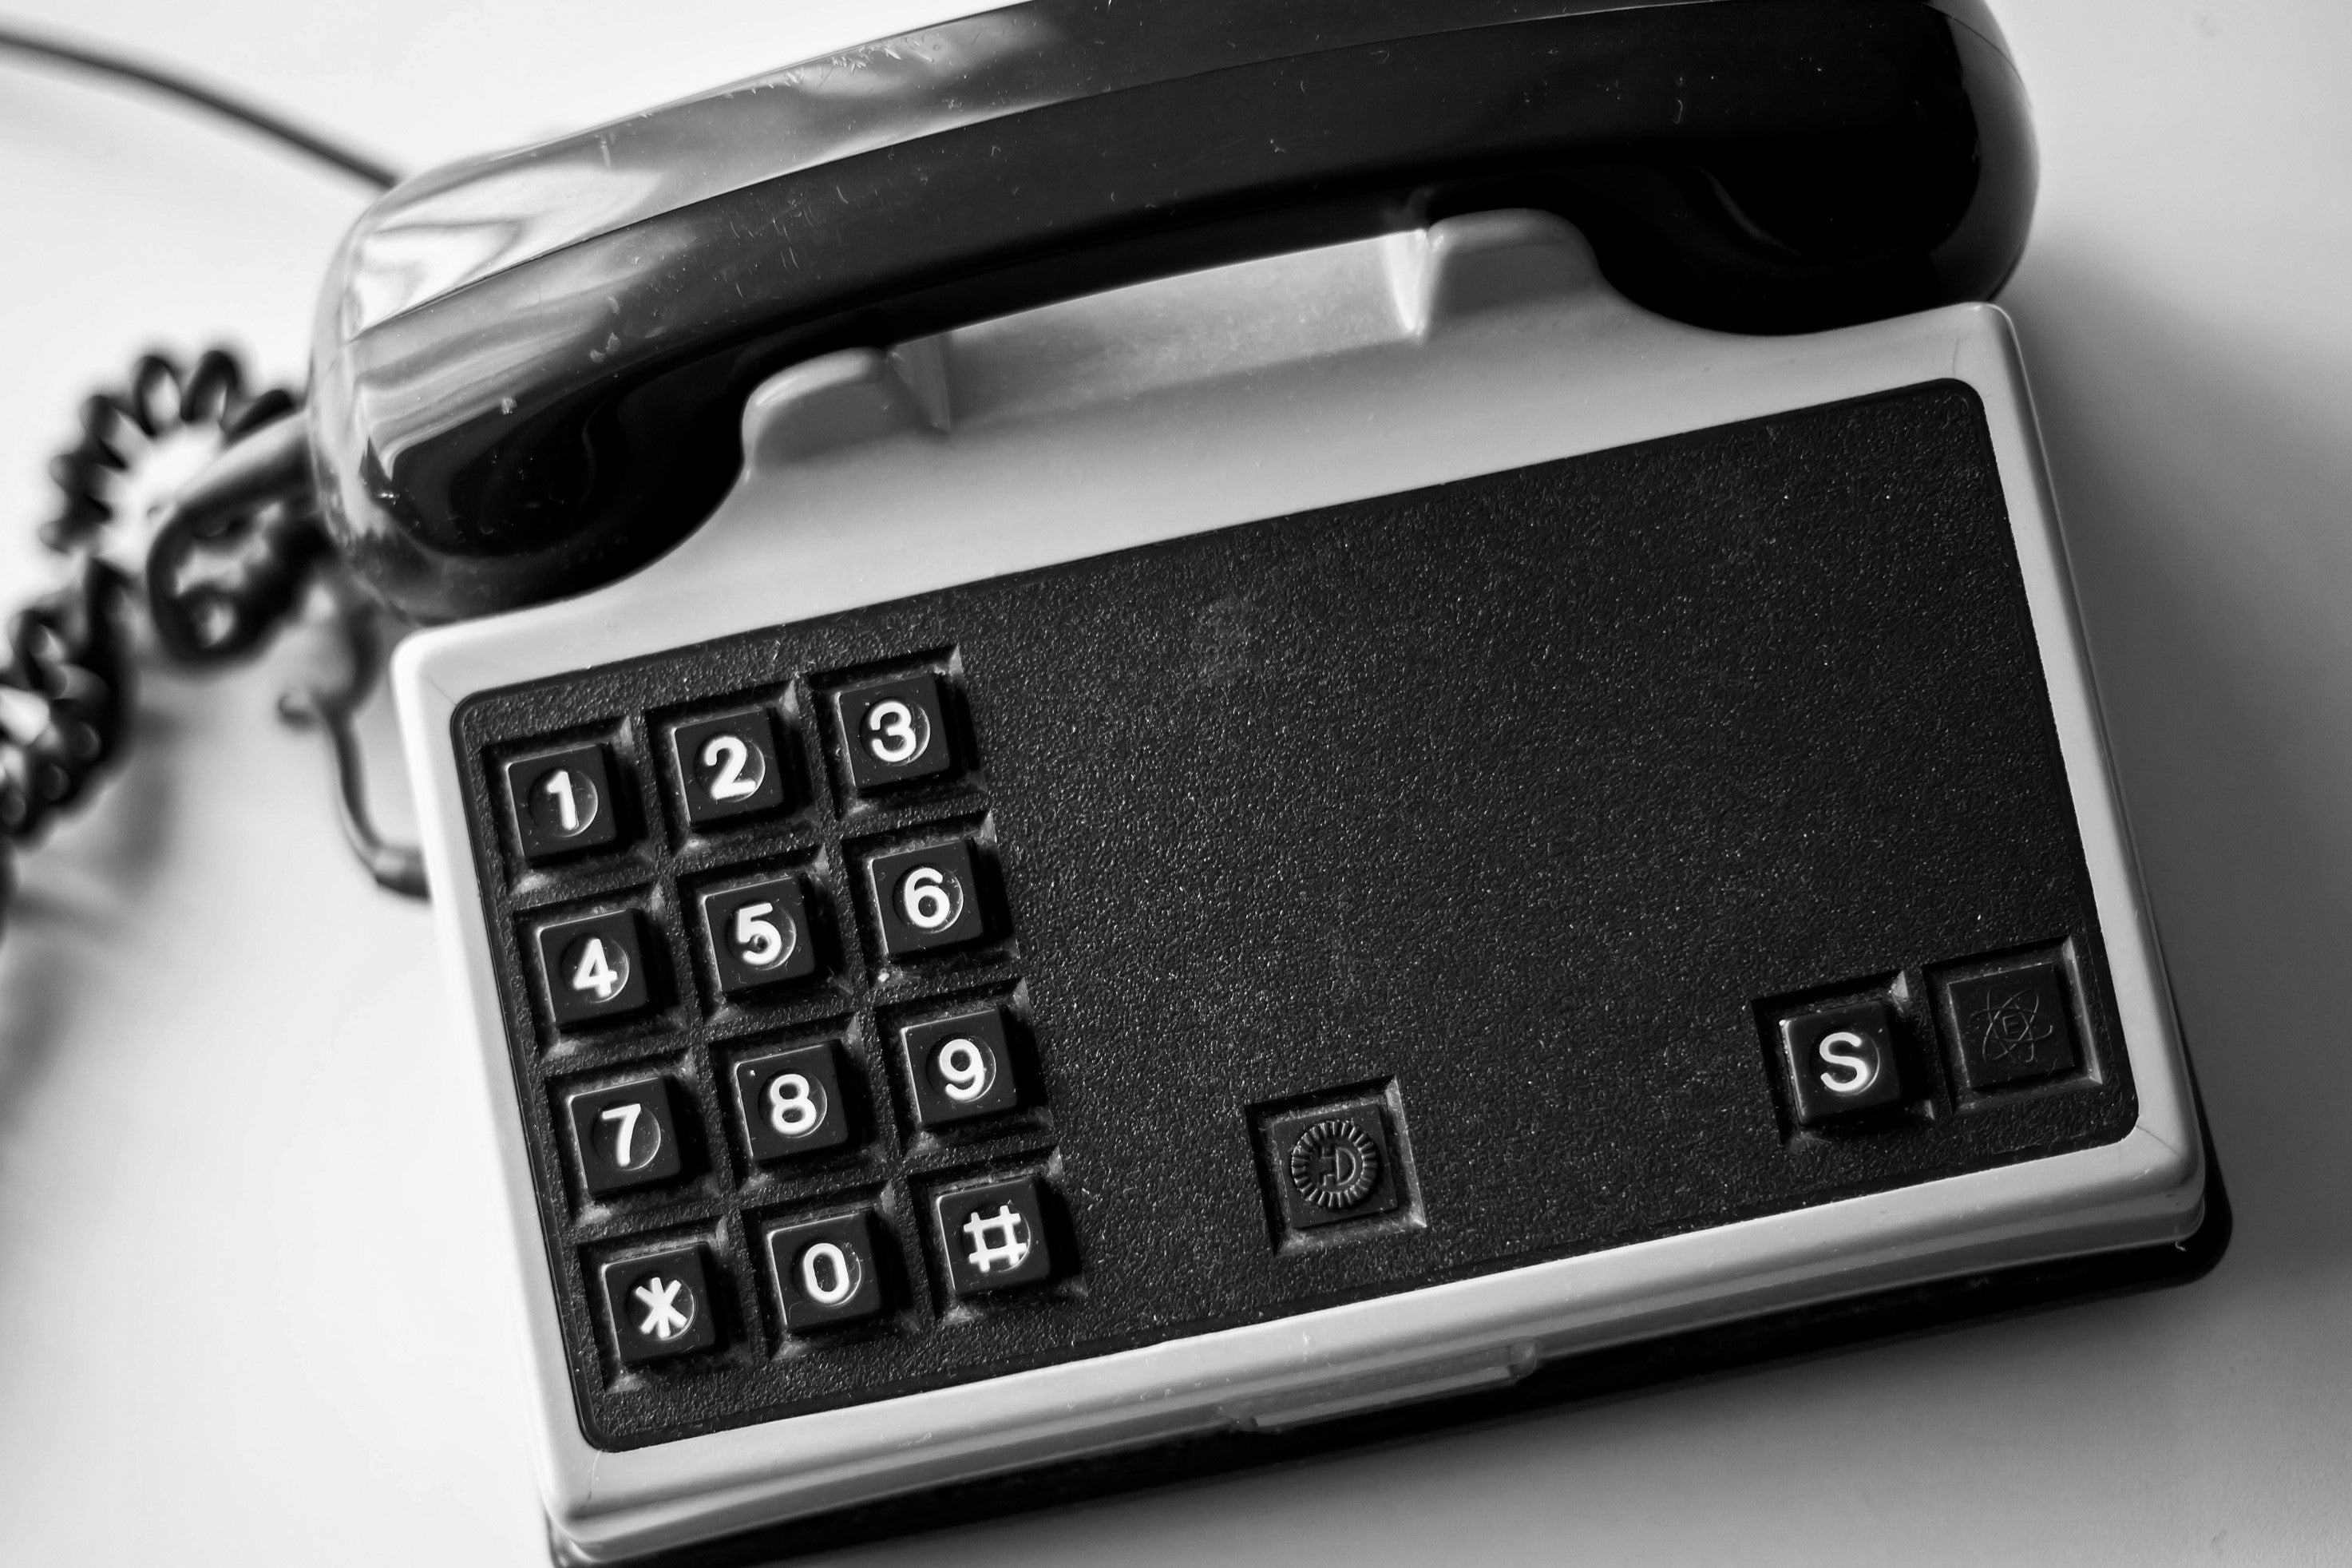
<point x="965" y="1069"/>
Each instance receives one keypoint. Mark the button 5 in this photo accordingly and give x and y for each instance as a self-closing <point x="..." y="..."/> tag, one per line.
<point x="758" y="934"/>
<point x="593" y="968"/>
<point x="562" y="803"/>
<point x="927" y="899"/>
<point x="624" y="1135"/>
<point x="894" y="731"/>
<point x="729" y="767"/>
<point x="1841" y="1061"/>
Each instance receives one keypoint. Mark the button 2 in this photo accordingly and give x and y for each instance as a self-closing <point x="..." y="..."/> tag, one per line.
<point x="961" y="1067"/>
<point x="562" y="802"/>
<point x="894" y="731"/>
<point x="661" y="1306"/>
<point x="1841" y="1061"/>
<point x="927" y="897"/>
<point x="729" y="767"/>
<point x="791" y="1103"/>
<point x="624" y="1135"/>
<point x="758" y="934"/>
<point x="993" y="1236"/>
<point x="828" y="1271"/>
<point x="593" y="968"/>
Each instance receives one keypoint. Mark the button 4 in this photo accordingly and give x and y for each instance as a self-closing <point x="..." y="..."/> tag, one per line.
<point x="593" y="967"/>
<point x="790" y="1103"/>
<point x="1841" y="1061"/>
<point x="758" y="934"/>
<point x="561" y="801"/>
<point x="661" y="1306"/>
<point x="961" y="1066"/>
<point x="828" y="1271"/>
<point x="729" y="766"/>
<point x="927" y="899"/>
<point x="894" y="731"/>
<point x="624" y="1135"/>
<point x="993" y="1236"/>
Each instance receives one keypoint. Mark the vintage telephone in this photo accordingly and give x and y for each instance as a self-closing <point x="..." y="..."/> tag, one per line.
<point x="1165" y="727"/>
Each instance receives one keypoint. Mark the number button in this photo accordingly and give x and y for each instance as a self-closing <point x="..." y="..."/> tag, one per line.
<point x="927" y="897"/>
<point x="758" y="934"/>
<point x="625" y="1136"/>
<point x="562" y="802"/>
<point x="961" y="1067"/>
<point x="661" y="1306"/>
<point x="894" y="731"/>
<point x="828" y="1271"/>
<point x="993" y="1236"/>
<point x="729" y="766"/>
<point x="593" y="968"/>
<point x="1841" y="1061"/>
<point x="791" y="1103"/>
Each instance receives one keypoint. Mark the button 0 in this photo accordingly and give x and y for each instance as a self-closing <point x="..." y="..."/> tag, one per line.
<point x="927" y="899"/>
<point x="993" y="1236"/>
<point x="1841" y="1061"/>
<point x="561" y="801"/>
<point x="960" y="1066"/>
<point x="661" y="1306"/>
<point x="595" y="968"/>
<point x="894" y="731"/>
<point x="729" y="767"/>
<point x="758" y="934"/>
<point x="2013" y="1026"/>
<point x="625" y="1135"/>
<point x="828" y="1271"/>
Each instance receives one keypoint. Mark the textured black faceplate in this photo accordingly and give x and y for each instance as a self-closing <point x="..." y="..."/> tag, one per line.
<point x="1521" y="792"/>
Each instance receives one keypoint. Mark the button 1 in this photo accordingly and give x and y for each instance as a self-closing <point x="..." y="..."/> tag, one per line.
<point x="1841" y="1061"/>
<point x="993" y="1236"/>
<point x="562" y="802"/>
<point x="961" y="1066"/>
<point x="758" y="934"/>
<point x="660" y="1305"/>
<point x="894" y="731"/>
<point x="927" y="897"/>
<point x="729" y="767"/>
<point x="2014" y="1025"/>
<point x="595" y="968"/>
<point x="1334" y="1162"/>
<point x="828" y="1271"/>
<point x="790" y="1103"/>
<point x="624" y="1135"/>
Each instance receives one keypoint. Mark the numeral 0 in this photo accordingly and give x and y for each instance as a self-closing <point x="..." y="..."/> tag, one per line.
<point x="828" y="1276"/>
<point x="929" y="899"/>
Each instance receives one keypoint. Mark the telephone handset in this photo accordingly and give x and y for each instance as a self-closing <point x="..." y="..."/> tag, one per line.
<point x="1208" y="721"/>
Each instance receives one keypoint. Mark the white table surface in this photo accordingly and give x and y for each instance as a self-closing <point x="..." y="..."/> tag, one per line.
<point x="246" y="1306"/>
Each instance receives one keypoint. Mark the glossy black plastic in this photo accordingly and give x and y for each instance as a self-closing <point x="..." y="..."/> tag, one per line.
<point x="528" y="371"/>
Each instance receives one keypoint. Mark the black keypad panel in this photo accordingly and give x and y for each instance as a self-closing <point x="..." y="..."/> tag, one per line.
<point x="1290" y="915"/>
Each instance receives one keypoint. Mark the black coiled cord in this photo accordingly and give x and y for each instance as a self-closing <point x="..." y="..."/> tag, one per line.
<point x="216" y="587"/>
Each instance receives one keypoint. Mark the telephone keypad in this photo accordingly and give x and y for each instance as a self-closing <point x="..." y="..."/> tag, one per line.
<point x="757" y="934"/>
<point x="625" y="1135"/>
<point x="593" y="968"/>
<point x="730" y="767"/>
<point x="661" y="1306"/>
<point x="562" y="803"/>
<point x="827" y="1272"/>
<point x="791" y="1103"/>
<point x="894" y="731"/>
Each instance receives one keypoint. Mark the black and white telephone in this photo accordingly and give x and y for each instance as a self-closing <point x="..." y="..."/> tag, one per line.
<point x="1164" y="727"/>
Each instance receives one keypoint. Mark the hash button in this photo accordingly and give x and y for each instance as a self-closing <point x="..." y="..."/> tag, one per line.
<point x="993" y="1236"/>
